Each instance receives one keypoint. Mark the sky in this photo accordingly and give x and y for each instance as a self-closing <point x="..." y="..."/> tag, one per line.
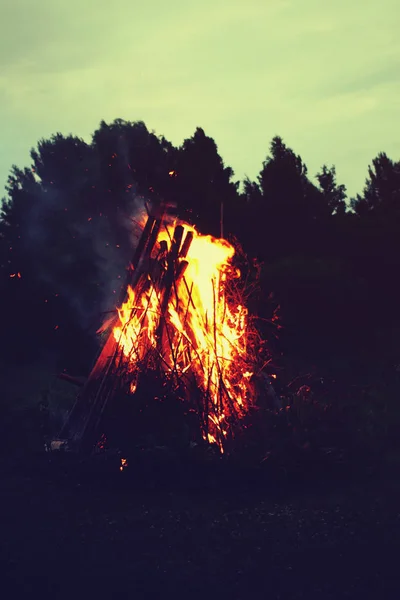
<point x="324" y="75"/>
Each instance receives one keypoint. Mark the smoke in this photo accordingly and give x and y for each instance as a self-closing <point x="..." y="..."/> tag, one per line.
<point x="82" y="258"/>
<point x="114" y="243"/>
<point x="77" y="212"/>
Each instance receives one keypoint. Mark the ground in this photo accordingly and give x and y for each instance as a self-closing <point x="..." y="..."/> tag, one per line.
<point x="65" y="539"/>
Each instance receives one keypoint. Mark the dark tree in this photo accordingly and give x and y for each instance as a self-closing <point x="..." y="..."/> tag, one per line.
<point x="67" y="225"/>
<point x="287" y="208"/>
<point x="375" y="255"/>
<point x="334" y="195"/>
<point x="382" y="188"/>
<point x="204" y="184"/>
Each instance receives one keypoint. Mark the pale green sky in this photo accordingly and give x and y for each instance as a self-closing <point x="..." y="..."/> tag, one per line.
<point x="324" y="75"/>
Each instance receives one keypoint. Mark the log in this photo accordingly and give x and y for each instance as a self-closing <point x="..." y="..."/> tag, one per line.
<point x="171" y="268"/>
<point x="186" y="244"/>
<point x="136" y="257"/>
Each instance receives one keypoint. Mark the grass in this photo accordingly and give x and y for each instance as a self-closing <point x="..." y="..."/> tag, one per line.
<point x="310" y="530"/>
<point x="63" y="536"/>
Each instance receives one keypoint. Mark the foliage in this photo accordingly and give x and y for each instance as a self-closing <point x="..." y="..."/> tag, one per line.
<point x="67" y="233"/>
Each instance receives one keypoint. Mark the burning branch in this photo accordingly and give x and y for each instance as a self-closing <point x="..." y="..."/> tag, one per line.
<point x="182" y="316"/>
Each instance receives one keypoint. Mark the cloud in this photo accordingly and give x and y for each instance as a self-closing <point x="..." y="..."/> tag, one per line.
<point x="245" y="71"/>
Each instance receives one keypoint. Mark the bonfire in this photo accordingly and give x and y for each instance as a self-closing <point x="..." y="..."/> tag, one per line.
<point x="183" y="318"/>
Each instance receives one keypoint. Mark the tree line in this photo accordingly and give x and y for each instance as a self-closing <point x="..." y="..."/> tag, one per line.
<point x="328" y="265"/>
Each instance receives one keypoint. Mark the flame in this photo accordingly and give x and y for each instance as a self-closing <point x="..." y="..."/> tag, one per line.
<point x="195" y="327"/>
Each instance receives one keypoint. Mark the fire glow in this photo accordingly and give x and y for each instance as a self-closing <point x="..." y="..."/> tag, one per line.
<point x="183" y="312"/>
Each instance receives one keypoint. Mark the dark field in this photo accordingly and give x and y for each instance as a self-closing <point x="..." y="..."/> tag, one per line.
<point x="61" y="538"/>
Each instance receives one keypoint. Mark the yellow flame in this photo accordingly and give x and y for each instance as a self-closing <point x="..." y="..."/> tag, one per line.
<point x="202" y="332"/>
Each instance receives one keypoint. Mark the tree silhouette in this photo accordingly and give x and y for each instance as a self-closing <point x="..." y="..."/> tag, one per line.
<point x="376" y="257"/>
<point x="382" y="188"/>
<point x="334" y="195"/>
<point x="67" y="234"/>
<point x="287" y="208"/>
<point x="204" y="184"/>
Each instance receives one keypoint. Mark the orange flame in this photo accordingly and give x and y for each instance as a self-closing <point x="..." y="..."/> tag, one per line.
<point x="197" y="331"/>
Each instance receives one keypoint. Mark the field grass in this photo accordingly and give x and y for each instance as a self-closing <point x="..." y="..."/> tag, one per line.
<point x="66" y="538"/>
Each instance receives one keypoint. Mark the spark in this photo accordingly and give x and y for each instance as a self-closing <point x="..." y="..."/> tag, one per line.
<point x="124" y="464"/>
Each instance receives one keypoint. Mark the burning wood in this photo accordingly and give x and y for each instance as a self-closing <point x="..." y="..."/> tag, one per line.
<point x="182" y="318"/>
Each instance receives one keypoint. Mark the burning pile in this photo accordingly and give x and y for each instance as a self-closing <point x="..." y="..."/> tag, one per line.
<point x="182" y="318"/>
<point x="181" y="315"/>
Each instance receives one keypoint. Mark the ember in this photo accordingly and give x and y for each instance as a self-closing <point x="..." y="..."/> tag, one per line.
<point x="124" y="464"/>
